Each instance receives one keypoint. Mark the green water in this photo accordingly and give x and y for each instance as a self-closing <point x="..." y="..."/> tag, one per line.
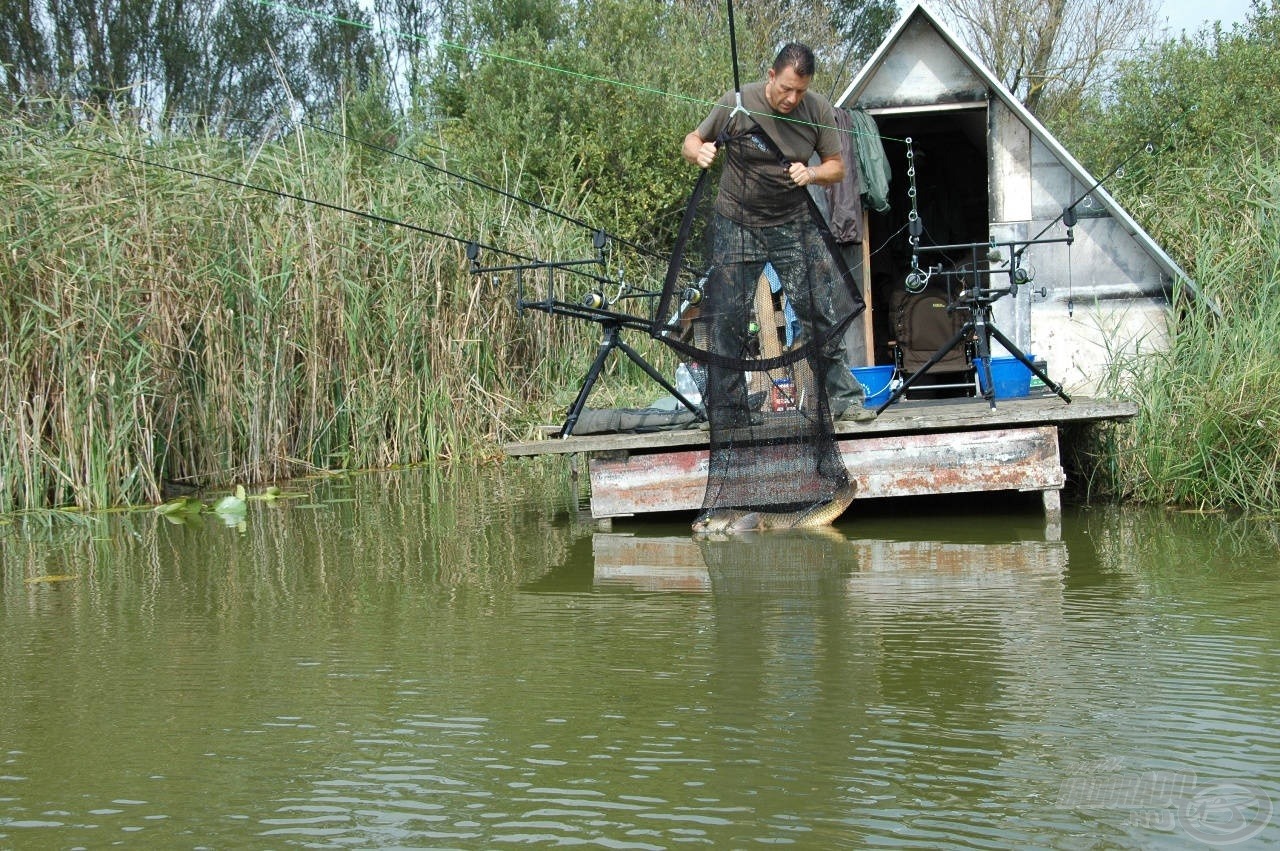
<point x="398" y="662"/>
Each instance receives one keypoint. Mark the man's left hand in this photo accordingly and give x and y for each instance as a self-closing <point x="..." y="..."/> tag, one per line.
<point x="802" y="175"/>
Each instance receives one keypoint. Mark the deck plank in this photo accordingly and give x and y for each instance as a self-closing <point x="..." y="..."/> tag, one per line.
<point x="905" y="417"/>
<point x="914" y="448"/>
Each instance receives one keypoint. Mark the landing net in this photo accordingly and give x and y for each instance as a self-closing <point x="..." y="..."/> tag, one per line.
<point x="766" y="338"/>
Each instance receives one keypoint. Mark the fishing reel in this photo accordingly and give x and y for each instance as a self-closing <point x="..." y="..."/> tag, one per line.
<point x="917" y="279"/>
<point x="600" y="300"/>
<point x="690" y="297"/>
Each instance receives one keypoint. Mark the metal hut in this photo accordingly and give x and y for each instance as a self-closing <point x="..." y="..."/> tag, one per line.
<point x="986" y="170"/>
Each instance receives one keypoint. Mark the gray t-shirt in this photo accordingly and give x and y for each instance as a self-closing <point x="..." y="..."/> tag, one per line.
<point x="755" y="188"/>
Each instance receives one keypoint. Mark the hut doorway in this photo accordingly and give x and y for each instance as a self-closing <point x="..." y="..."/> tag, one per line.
<point x="952" y="179"/>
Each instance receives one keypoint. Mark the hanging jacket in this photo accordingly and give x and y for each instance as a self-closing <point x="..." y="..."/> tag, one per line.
<point x="844" y="199"/>
<point x="872" y="161"/>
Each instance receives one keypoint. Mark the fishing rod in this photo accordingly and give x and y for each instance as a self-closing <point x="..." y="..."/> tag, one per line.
<point x="386" y="220"/>
<point x="474" y="181"/>
<point x="1069" y="217"/>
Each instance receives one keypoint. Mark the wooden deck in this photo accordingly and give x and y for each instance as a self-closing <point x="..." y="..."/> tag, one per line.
<point x="914" y="448"/>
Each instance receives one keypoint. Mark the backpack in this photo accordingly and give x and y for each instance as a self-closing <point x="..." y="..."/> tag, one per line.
<point x="923" y="325"/>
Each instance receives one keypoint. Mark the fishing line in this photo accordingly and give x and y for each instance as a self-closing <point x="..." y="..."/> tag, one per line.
<point x="542" y="66"/>
<point x="529" y="63"/>
<point x="294" y="197"/>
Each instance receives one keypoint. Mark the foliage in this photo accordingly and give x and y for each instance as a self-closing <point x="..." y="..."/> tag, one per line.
<point x="159" y="328"/>
<point x="1206" y="434"/>
<point x="862" y="25"/>
<point x="1192" y="97"/>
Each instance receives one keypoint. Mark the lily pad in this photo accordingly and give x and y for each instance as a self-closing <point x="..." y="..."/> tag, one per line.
<point x="232" y="505"/>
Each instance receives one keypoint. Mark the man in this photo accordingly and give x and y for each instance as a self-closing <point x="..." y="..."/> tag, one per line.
<point x="762" y="216"/>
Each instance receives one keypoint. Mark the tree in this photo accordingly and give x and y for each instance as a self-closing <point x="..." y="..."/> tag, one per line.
<point x="1197" y="99"/>
<point x="407" y="34"/>
<point x="25" y="52"/>
<point x="842" y="33"/>
<point x="862" y="25"/>
<point x="163" y="61"/>
<point x="1050" y="52"/>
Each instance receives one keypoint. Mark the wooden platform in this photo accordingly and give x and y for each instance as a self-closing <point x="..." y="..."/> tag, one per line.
<point x="914" y="448"/>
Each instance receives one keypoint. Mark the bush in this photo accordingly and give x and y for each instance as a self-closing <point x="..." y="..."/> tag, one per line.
<point x="1206" y="434"/>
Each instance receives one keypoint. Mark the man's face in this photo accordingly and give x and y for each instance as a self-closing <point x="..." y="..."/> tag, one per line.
<point x="785" y="89"/>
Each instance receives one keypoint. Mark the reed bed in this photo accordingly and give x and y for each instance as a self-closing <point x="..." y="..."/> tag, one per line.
<point x="1208" y="431"/>
<point x="161" y="329"/>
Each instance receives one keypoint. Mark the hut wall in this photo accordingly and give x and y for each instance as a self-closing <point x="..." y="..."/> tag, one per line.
<point x="1104" y="295"/>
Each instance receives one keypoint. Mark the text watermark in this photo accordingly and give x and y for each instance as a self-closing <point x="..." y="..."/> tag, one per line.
<point x="1216" y="813"/>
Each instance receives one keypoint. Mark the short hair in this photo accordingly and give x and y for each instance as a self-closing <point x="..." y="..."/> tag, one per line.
<point x="797" y="56"/>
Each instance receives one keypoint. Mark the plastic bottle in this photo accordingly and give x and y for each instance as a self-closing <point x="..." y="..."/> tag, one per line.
<point x="686" y="384"/>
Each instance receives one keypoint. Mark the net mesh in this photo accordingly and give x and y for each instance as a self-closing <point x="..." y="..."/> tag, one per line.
<point x="774" y="296"/>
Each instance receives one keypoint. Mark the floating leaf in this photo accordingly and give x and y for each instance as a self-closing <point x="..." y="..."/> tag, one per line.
<point x="180" y="505"/>
<point x="270" y="494"/>
<point x="231" y="505"/>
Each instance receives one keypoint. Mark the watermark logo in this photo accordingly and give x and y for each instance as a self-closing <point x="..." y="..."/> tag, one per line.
<point x="1226" y="813"/>
<point x="1218" y="814"/>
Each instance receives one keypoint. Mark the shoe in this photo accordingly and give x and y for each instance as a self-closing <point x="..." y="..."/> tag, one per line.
<point x="856" y="414"/>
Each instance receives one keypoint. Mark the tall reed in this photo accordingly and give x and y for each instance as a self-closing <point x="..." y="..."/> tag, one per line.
<point x="1208" y="432"/>
<point x="159" y="327"/>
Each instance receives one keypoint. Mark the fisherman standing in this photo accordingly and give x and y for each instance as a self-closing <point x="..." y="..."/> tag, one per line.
<point x="762" y="216"/>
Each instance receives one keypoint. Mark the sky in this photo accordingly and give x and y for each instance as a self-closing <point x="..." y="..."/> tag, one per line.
<point x="1191" y="15"/>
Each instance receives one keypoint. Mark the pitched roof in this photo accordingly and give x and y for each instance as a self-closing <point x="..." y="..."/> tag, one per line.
<point x="918" y="10"/>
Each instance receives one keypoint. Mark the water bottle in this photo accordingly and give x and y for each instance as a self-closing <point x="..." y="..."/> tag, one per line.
<point x="686" y="384"/>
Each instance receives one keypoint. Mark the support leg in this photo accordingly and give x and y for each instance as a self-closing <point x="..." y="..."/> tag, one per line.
<point x="658" y="377"/>
<point x="607" y="345"/>
<point x="1026" y="361"/>
<point x="613" y="340"/>
<point x="1052" y="515"/>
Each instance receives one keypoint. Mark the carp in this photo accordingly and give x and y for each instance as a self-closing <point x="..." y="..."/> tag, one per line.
<point x="722" y="520"/>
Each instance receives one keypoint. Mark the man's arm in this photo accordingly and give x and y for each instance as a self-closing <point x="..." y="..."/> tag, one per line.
<point x="825" y="173"/>
<point x="698" y="151"/>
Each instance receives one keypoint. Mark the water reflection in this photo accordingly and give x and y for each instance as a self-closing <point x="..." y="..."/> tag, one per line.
<point x="406" y="661"/>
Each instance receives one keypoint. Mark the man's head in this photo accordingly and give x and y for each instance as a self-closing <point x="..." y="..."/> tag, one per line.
<point x="789" y="78"/>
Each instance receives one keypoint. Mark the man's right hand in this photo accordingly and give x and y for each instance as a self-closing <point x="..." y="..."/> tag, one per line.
<point x="707" y="154"/>
<point x="700" y="153"/>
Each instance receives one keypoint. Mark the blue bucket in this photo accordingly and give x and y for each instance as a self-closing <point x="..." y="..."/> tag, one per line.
<point x="877" y="383"/>
<point x="1010" y="378"/>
